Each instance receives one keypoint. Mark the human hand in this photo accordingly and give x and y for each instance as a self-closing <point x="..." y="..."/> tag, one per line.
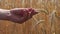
<point x="21" y="14"/>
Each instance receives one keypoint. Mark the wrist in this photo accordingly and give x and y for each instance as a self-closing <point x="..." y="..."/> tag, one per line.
<point x="4" y="14"/>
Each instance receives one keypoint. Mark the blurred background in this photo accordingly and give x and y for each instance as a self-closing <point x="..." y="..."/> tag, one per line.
<point x="50" y="25"/>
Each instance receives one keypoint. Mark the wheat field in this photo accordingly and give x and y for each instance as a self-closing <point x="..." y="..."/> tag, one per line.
<point x="49" y="25"/>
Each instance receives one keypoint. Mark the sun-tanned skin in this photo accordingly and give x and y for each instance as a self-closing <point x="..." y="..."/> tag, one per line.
<point x="17" y="15"/>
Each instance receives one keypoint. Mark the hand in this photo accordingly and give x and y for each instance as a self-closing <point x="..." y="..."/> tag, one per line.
<point x="21" y="15"/>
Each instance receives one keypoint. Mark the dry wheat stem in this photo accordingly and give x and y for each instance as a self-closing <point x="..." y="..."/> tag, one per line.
<point x="51" y="19"/>
<point x="37" y="22"/>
